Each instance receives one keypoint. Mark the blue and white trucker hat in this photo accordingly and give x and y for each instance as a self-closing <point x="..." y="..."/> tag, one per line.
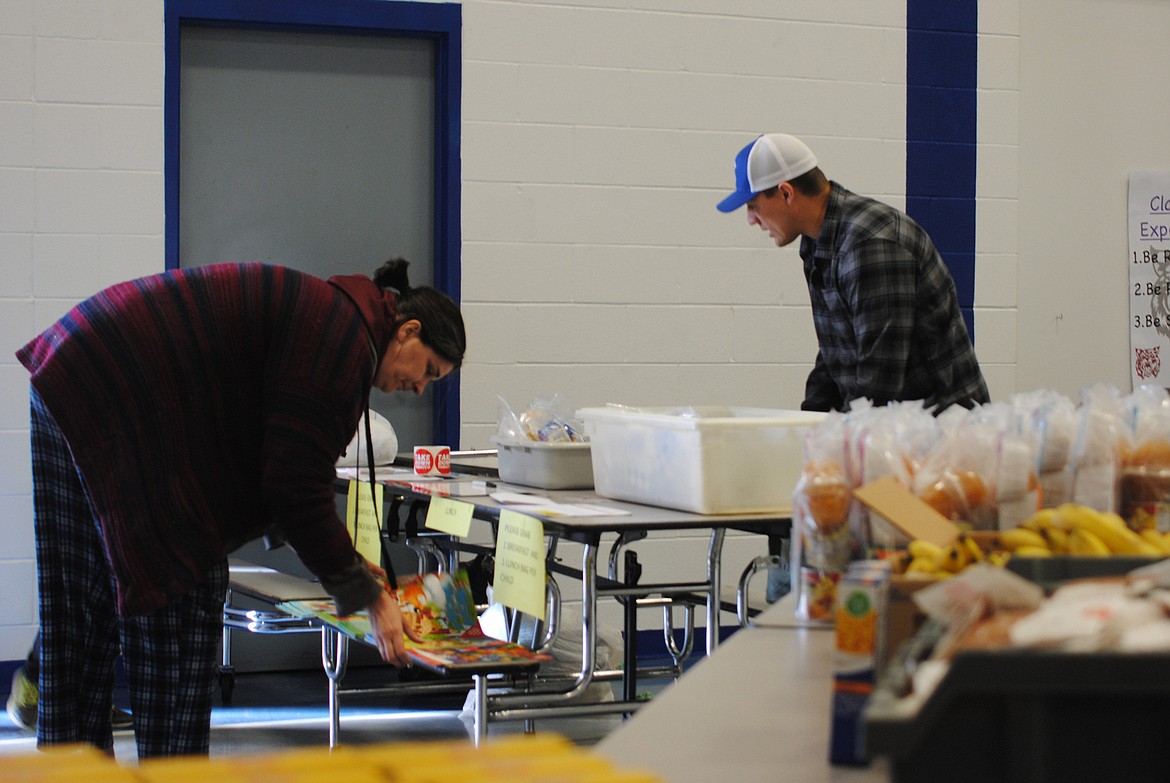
<point x="769" y="160"/>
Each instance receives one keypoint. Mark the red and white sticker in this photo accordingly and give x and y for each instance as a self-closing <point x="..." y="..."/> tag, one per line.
<point x="432" y="460"/>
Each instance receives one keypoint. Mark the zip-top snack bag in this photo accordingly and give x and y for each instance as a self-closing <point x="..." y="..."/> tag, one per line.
<point x="893" y="440"/>
<point x="956" y="478"/>
<point x="1048" y="421"/>
<point x="1014" y="482"/>
<point x="546" y="419"/>
<point x="822" y="505"/>
<point x="1144" y="480"/>
<point x="1094" y="460"/>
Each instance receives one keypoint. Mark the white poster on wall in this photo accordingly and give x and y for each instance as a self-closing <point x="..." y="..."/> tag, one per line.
<point x="1149" y="277"/>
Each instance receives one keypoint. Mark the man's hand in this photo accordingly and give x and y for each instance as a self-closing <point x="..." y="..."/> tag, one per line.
<point x="389" y="630"/>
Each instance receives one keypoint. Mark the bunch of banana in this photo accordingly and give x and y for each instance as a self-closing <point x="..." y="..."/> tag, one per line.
<point x="928" y="559"/>
<point x="1023" y="542"/>
<point x="1069" y="529"/>
<point x="1076" y="529"/>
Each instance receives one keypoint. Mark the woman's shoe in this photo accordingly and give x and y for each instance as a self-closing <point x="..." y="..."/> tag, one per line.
<point x="120" y="719"/>
<point x="22" y="701"/>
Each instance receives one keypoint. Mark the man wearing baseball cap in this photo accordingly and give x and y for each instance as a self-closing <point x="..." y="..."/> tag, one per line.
<point x="884" y="304"/>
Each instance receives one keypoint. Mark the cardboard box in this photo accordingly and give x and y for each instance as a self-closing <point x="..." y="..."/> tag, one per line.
<point x="915" y="519"/>
<point x="904" y="619"/>
<point x="906" y="511"/>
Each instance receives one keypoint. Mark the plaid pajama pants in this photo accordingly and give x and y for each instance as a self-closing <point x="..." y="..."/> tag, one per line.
<point x="170" y="655"/>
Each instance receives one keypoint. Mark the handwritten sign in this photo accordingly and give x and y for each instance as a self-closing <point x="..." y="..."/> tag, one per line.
<point x="1149" y="277"/>
<point x="449" y="516"/>
<point x="519" y="578"/>
<point x="363" y="519"/>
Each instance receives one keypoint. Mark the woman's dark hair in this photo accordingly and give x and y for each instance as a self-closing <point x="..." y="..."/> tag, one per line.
<point x="442" y="323"/>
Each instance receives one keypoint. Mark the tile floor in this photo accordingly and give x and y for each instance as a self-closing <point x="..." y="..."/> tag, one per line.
<point x="270" y="711"/>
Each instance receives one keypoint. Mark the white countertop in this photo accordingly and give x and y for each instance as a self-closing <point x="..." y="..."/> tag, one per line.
<point x="757" y="710"/>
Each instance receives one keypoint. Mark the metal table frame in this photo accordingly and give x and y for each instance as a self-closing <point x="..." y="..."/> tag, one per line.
<point x="528" y="698"/>
<point x="535" y="703"/>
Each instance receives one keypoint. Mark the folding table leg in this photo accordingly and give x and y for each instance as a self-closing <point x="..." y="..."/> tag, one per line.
<point x="480" y="720"/>
<point x="714" y="573"/>
<point x="334" y="652"/>
<point x="758" y="563"/>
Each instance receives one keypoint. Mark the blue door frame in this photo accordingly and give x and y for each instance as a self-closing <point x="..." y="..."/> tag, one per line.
<point x="438" y="22"/>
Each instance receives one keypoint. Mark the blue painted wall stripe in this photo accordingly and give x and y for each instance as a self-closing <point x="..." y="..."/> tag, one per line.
<point x="941" y="112"/>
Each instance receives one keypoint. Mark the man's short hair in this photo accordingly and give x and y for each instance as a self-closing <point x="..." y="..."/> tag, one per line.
<point x="811" y="183"/>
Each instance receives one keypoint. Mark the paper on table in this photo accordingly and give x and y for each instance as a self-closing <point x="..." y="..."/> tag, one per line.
<point x="580" y="510"/>
<point x="543" y="505"/>
<point x="518" y="498"/>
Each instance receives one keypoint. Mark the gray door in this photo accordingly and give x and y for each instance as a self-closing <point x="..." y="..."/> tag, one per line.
<point x="314" y="151"/>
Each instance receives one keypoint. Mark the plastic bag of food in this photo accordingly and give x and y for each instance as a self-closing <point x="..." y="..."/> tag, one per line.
<point x="888" y="441"/>
<point x="1017" y="487"/>
<point x="1048" y="421"/>
<point x="1144" y="478"/>
<point x="822" y="507"/>
<point x="1014" y="480"/>
<point x="1086" y="616"/>
<point x="957" y="477"/>
<point x="548" y="420"/>
<point x="1094" y="459"/>
<point x="823" y="497"/>
<point x="978" y="592"/>
<point x="979" y="587"/>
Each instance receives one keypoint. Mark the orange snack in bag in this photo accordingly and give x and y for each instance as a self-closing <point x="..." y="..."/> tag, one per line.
<point x="956" y="495"/>
<point x="973" y="489"/>
<point x="827" y="492"/>
<point x="1149" y="453"/>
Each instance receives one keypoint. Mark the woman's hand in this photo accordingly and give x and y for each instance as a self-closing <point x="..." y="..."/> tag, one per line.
<point x="377" y="570"/>
<point x="389" y="630"/>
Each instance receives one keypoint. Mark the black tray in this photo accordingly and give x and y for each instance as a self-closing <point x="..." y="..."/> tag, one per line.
<point x="1050" y="572"/>
<point x="1028" y="715"/>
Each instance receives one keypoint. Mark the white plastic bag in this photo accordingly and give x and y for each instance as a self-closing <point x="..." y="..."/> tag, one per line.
<point x="385" y="443"/>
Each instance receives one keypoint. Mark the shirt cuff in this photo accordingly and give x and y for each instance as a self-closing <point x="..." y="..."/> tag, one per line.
<point x="352" y="589"/>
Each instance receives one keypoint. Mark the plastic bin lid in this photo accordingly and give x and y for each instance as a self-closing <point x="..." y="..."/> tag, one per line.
<point x="538" y="444"/>
<point x="696" y="416"/>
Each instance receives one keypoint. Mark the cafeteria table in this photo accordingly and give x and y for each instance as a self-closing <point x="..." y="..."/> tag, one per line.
<point x="541" y="697"/>
<point x="630" y="522"/>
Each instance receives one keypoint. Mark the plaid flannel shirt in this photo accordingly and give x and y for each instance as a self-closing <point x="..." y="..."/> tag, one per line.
<point x="886" y="312"/>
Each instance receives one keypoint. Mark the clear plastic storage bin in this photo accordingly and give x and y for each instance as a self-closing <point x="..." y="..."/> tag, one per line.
<point x="705" y="459"/>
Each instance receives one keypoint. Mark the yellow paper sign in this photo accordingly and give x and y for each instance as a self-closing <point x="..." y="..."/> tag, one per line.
<point x="363" y="520"/>
<point x="449" y="516"/>
<point x="519" y="580"/>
